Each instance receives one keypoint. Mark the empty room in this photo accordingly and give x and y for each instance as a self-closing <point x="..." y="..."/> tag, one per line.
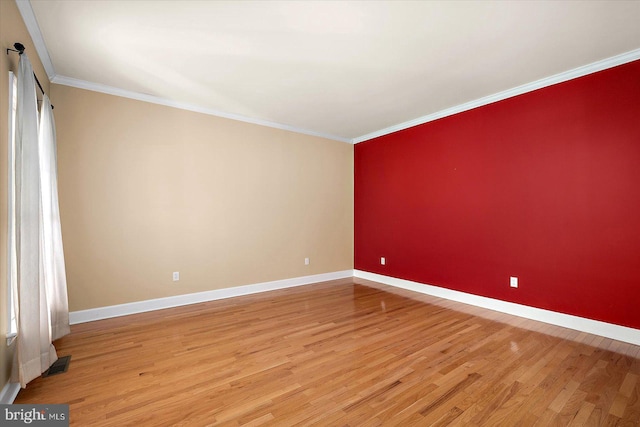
<point x="333" y="213"/>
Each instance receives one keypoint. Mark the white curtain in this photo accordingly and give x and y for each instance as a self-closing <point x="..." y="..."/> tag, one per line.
<point x="42" y="312"/>
<point x="55" y="277"/>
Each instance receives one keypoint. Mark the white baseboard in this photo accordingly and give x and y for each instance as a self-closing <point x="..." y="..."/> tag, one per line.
<point x="608" y="330"/>
<point x="90" y="315"/>
<point x="9" y="393"/>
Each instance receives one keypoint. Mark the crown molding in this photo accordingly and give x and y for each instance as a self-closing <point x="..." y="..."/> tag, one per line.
<point x="519" y="90"/>
<point x="24" y="6"/>
<point x="30" y="21"/>
<point x="110" y="90"/>
<point x="29" y="18"/>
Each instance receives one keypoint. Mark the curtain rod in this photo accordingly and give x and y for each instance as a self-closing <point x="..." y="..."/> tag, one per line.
<point x="19" y="47"/>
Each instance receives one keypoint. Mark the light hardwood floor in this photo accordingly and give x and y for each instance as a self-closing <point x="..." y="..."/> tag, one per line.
<point x="346" y="352"/>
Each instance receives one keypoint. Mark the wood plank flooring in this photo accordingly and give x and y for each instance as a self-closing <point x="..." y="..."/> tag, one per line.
<point x="347" y="352"/>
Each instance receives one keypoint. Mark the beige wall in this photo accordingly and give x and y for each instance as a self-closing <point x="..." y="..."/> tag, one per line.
<point x="12" y="29"/>
<point x="146" y="190"/>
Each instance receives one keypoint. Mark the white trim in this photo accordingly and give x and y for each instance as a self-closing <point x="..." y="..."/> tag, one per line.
<point x="608" y="330"/>
<point x="36" y="35"/>
<point x="24" y="6"/>
<point x="110" y="90"/>
<point x="30" y="21"/>
<point x="519" y="90"/>
<point x="179" y="300"/>
<point x="9" y="393"/>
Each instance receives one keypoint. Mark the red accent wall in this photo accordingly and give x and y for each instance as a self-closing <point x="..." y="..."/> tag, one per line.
<point x="544" y="186"/>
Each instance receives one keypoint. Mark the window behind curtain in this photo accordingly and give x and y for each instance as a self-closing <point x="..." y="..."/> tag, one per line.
<point x="11" y="261"/>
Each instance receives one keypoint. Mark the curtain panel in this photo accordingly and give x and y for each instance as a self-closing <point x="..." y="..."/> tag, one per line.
<point x="55" y="278"/>
<point x="35" y="239"/>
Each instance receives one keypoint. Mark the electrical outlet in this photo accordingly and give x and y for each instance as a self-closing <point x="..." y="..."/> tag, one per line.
<point x="383" y="261"/>
<point x="306" y="261"/>
<point x="176" y="276"/>
<point x="513" y="282"/>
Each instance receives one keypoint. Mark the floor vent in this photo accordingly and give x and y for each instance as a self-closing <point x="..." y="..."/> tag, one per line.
<point x="60" y="366"/>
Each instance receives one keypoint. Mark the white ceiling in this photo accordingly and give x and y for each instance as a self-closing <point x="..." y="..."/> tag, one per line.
<point x="347" y="70"/>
